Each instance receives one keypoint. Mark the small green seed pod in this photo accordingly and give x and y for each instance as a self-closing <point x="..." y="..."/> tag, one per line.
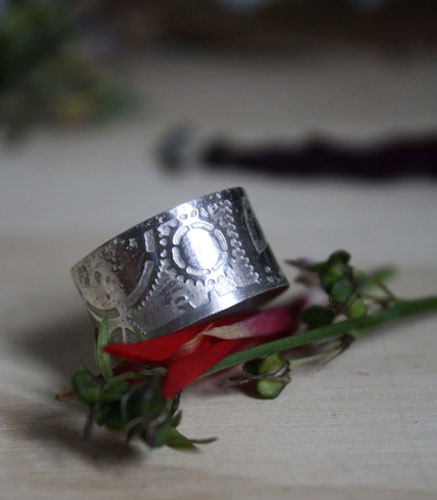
<point x="357" y="309"/>
<point x="267" y="388"/>
<point x="341" y="290"/>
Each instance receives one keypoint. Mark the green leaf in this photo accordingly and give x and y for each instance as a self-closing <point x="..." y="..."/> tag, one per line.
<point x="112" y="392"/>
<point x="114" y="419"/>
<point x="90" y="390"/>
<point x="167" y="434"/>
<point x="161" y="436"/>
<point x="86" y="386"/>
<point x="147" y="400"/>
<point x="177" y="440"/>
<point x="103" y="359"/>
<point x="316" y="316"/>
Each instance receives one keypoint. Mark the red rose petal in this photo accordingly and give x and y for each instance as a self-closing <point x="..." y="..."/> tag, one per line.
<point x="268" y="322"/>
<point x="184" y="370"/>
<point x="153" y="350"/>
<point x="166" y="346"/>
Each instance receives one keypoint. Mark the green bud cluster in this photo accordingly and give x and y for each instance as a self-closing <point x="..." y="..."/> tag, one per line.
<point x="116" y="403"/>
<point x="139" y="408"/>
<point x="337" y="279"/>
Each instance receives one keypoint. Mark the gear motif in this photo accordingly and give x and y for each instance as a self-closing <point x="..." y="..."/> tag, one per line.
<point x="178" y="239"/>
<point x="176" y="263"/>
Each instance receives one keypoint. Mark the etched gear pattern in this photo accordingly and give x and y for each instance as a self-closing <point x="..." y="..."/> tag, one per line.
<point x="204" y="246"/>
<point x="208" y="262"/>
<point x="193" y="260"/>
<point x="200" y="253"/>
<point x="101" y="303"/>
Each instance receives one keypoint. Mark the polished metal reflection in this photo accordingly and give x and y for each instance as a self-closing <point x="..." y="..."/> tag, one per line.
<point x="180" y="267"/>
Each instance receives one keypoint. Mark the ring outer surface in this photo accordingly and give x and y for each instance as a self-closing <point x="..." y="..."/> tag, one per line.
<point x="186" y="265"/>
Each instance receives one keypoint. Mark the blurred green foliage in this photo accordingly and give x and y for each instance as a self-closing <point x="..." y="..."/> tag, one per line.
<point x="45" y="76"/>
<point x="29" y="33"/>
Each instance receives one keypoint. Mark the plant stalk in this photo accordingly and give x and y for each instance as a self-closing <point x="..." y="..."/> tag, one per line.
<point x="401" y="309"/>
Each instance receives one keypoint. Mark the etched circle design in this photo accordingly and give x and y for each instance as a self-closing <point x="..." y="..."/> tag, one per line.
<point x="199" y="248"/>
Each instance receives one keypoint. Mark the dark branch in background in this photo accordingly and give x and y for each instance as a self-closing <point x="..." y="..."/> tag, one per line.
<point x="396" y="157"/>
<point x="277" y="24"/>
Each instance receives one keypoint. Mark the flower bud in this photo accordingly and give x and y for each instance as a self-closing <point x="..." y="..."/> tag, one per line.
<point x="273" y="364"/>
<point x="316" y="316"/>
<point x="357" y="309"/>
<point x="341" y="290"/>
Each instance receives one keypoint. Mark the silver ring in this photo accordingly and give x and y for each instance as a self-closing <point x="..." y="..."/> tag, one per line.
<point x="180" y="267"/>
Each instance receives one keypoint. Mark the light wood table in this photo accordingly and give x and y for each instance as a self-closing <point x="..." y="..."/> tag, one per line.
<point x="363" y="427"/>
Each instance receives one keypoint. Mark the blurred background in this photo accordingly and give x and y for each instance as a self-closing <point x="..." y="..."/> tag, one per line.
<point x="324" y="110"/>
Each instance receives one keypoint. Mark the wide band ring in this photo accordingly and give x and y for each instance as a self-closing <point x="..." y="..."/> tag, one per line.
<point x="179" y="268"/>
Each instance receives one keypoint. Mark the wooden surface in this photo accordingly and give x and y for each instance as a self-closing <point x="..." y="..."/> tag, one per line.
<point x="363" y="427"/>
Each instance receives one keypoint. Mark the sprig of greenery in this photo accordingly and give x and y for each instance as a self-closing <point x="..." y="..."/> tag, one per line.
<point x="131" y="401"/>
<point x="345" y="287"/>
<point x="355" y="328"/>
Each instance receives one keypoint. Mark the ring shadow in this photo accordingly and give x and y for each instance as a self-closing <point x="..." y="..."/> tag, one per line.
<point x="62" y="433"/>
<point x="61" y="346"/>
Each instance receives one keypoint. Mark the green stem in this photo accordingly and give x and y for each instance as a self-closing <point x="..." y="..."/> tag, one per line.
<point x="399" y="310"/>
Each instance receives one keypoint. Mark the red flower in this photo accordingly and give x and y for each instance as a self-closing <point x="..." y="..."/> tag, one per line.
<point x="190" y="352"/>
